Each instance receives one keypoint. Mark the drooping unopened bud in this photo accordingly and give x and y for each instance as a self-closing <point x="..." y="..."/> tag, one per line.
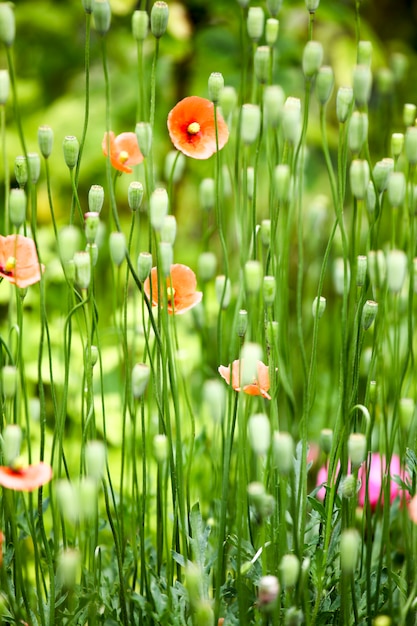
<point x="95" y="198"/>
<point x="362" y="84"/>
<point x="102" y="16"/>
<point x="207" y="194"/>
<point x="69" y="241"/>
<point x="262" y="63"/>
<point x="266" y="232"/>
<point x="250" y="356"/>
<point x="215" y="86"/>
<point x="158" y="207"/>
<point x="91" y="224"/>
<point x="268" y="591"/>
<point x="282" y="180"/>
<point x="312" y="58"/>
<point x="361" y="269"/>
<point x="326" y="440"/>
<point x="318" y="306"/>
<point x="396" y="270"/>
<point x="359" y="178"/>
<point x="166" y="254"/>
<point x="214" y="394"/>
<point x="349" y="550"/>
<point x="382" y="170"/>
<point x="12" y="441"/>
<point x="117" y="247"/>
<point x="140" y="377"/>
<point x="409" y="114"/>
<point x="324" y="84"/>
<point x="269" y="290"/>
<point x="312" y="5"/>
<point x="228" y="100"/>
<point x="344" y="100"/>
<point x="283" y="451"/>
<point x="242" y="323"/>
<point x="140" y="25"/>
<point x="341" y="275"/>
<point x="290" y="570"/>
<point x="95" y="459"/>
<point x="206" y="264"/>
<point x="17" y="206"/>
<point x="45" y="140"/>
<point x="357" y="131"/>
<point x="364" y="53"/>
<point x="160" y="448"/>
<point x="369" y="312"/>
<point x="255" y="23"/>
<point x="21" y="170"/>
<point x="7" y="24"/>
<point x="396" y="189"/>
<point x="348" y="486"/>
<point x="397" y="144"/>
<point x="357" y="449"/>
<point x="253" y="276"/>
<point x="273" y="102"/>
<point x="71" y="149"/>
<point x="274" y="7"/>
<point x="271" y="31"/>
<point x="159" y="19"/>
<point x="410" y="144"/>
<point x="250" y="123"/>
<point x="82" y="263"/>
<point x="174" y="165"/>
<point x="144" y="265"/>
<point x="259" y="433"/>
<point x="68" y="567"/>
<point x="406" y="409"/>
<point x="143" y="132"/>
<point x="169" y="229"/>
<point x="291" y="120"/>
<point x="223" y="289"/>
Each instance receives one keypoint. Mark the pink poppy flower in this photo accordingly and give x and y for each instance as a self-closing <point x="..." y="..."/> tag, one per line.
<point x="377" y="471"/>
<point x="19" y="263"/>
<point x="124" y="151"/>
<point x="259" y="387"/>
<point x="26" y="478"/>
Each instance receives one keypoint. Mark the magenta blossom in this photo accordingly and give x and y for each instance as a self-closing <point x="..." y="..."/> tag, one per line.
<point x="377" y="472"/>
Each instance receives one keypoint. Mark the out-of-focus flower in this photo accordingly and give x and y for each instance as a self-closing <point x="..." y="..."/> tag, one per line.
<point x="19" y="262"/>
<point x="26" y="478"/>
<point x="259" y="386"/>
<point x="377" y="472"/>
<point x="181" y="287"/>
<point x="192" y="128"/>
<point x="124" y="151"/>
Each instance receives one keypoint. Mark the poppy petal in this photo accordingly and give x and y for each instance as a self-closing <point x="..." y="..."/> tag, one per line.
<point x="183" y="282"/>
<point x="26" y="270"/>
<point x="27" y="479"/>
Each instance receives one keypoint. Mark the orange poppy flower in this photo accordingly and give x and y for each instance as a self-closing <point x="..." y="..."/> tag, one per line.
<point x="26" y="478"/>
<point x="19" y="262"/>
<point x="124" y="151"/>
<point x="181" y="288"/>
<point x="192" y="128"/>
<point x="260" y="385"/>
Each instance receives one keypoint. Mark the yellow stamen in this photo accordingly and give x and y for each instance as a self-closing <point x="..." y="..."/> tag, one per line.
<point x="170" y="294"/>
<point x="123" y="156"/>
<point x="193" y="128"/>
<point x="10" y="264"/>
<point x="18" y="464"/>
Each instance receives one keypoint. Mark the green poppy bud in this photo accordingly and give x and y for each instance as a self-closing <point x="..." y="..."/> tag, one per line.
<point x="396" y="270"/>
<point x="7" y="24"/>
<point x="135" y="195"/>
<point x="271" y="31"/>
<point x="242" y="323"/>
<point x="102" y="16"/>
<point x="324" y="84"/>
<point x="319" y="306"/>
<point x="250" y="123"/>
<point x="158" y="207"/>
<point x="262" y="63"/>
<point x="349" y="550"/>
<point x="159" y="19"/>
<point x="143" y="131"/>
<point x="369" y="312"/>
<point x="409" y="114"/>
<point x="273" y="103"/>
<point x="215" y="86"/>
<point x="144" y="265"/>
<point x="82" y="263"/>
<point x="344" y="100"/>
<point x="396" y="189"/>
<point x="34" y="163"/>
<point x="91" y="224"/>
<point x="45" y="140"/>
<point x="359" y="178"/>
<point x="364" y="53"/>
<point x="17" y="207"/>
<point x="410" y="144"/>
<point x="283" y="452"/>
<point x="141" y="373"/>
<point x="140" y="25"/>
<point x="357" y="131"/>
<point x="21" y="170"/>
<point x="206" y="264"/>
<point x="117" y="246"/>
<point x="95" y="198"/>
<point x="362" y="84"/>
<point x="282" y="180"/>
<point x="274" y="7"/>
<point x="255" y="23"/>
<point x="228" y="100"/>
<point x="312" y="58"/>
<point x="71" y="149"/>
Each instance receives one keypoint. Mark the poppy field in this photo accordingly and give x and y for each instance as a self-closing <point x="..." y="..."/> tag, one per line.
<point x="208" y="270"/>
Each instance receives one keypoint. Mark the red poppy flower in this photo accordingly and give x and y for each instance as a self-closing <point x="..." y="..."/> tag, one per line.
<point x="124" y="151"/>
<point x="260" y="385"/>
<point x="192" y="128"/>
<point x="19" y="262"/>
<point x="26" y="478"/>
<point x="181" y="288"/>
